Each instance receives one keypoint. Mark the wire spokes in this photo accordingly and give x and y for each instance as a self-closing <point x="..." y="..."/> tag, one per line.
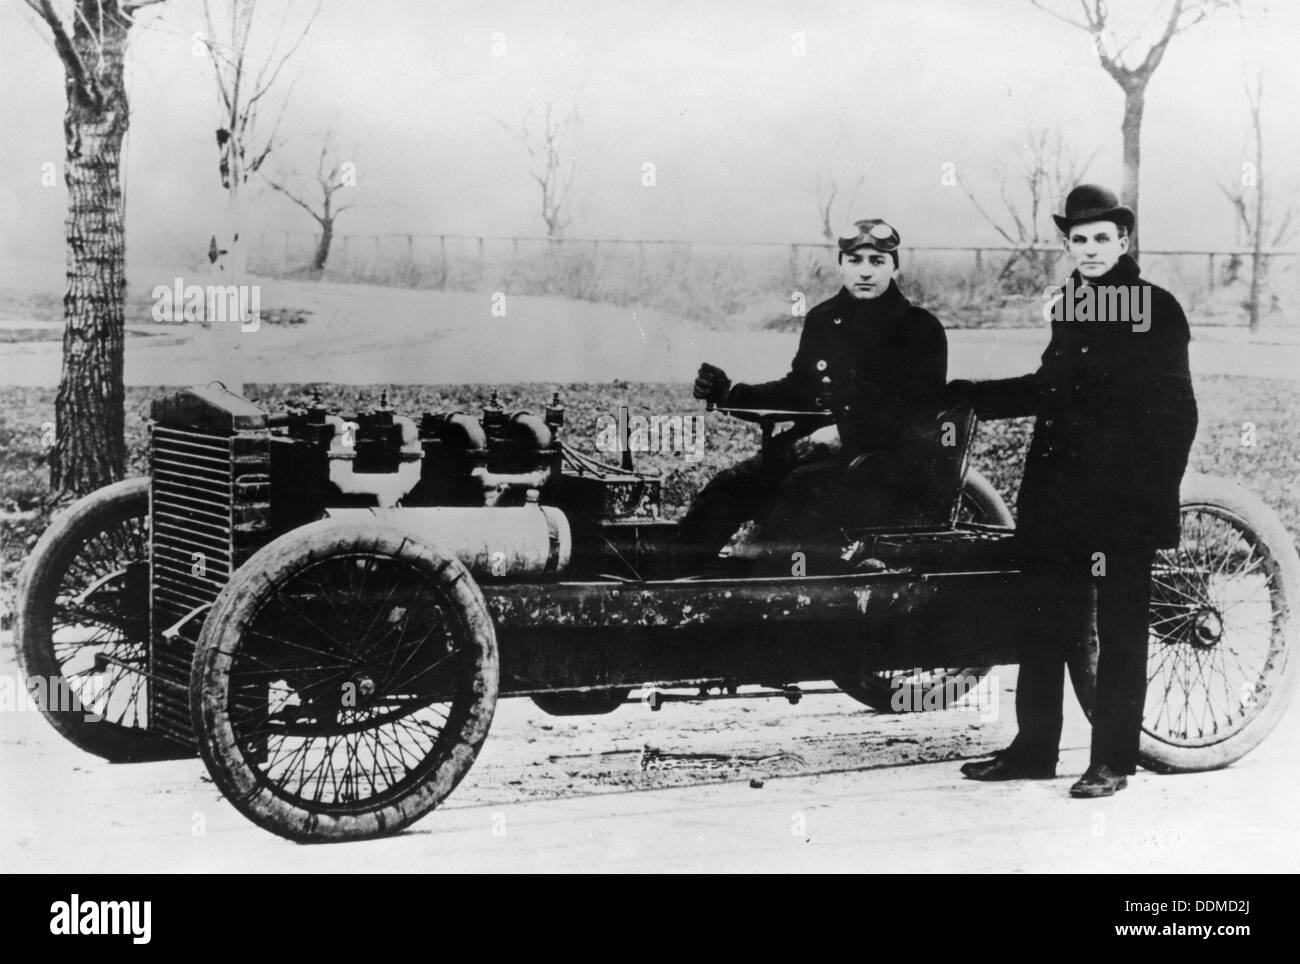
<point x="99" y="624"/>
<point x="348" y="683"/>
<point x="1215" y="630"/>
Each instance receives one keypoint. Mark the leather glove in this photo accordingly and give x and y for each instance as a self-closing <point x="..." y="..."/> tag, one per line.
<point x="712" y="384"/>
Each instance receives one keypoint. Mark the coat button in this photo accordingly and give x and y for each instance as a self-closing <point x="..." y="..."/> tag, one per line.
<point x="821" y="366"/>
<point x="837" y="321"/>
<point x="1084" y="349"/>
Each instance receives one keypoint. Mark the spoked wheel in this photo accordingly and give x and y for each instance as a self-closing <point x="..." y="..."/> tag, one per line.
<point x="82" y="625"/>
<point x="934" y="687"/>
<point x="1221" y="663"/>
<point x="344" y="682"/>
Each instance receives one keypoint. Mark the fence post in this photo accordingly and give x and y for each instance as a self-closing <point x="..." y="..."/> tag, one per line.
<point x="794" y="267"/>
<point x="1211" y="269"/>
<point x="442" y="261"/>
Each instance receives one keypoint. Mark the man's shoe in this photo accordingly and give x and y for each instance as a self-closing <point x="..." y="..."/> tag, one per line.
<point x="1099" y="781"/>
<point x="1008" y="766"/>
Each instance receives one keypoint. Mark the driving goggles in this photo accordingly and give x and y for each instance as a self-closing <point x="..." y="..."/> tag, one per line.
<point x="873" y="233"/>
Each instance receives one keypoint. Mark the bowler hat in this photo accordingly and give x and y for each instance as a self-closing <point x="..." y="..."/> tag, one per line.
<point x="1092" y="202"/>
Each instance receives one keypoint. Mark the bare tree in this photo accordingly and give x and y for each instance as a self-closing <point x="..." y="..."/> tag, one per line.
<point x="1132" y="69"/>
<point x="332" y="175"/>
<point x="90" y="38"/>
<point x="1046" y="169"/>
<point x="246" y="71"/>
<point x="828" y="190"/>
<point x="1246" y="195"/>
<point x="552" y="159"/>
<point x="829" y="183"/>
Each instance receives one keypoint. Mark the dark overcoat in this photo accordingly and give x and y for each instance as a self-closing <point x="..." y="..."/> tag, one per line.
<point x="1116" y="416"/>
<point x="887" y="361"/>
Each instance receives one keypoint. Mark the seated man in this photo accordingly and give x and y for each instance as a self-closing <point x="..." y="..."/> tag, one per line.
<point x="886" y="361"/>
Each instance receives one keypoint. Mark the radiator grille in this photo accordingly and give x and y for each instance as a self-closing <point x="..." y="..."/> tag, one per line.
<point x="210" y="511"/>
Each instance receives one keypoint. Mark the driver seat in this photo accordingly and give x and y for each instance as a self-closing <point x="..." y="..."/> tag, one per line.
<point x="916" y="489"/>
<point x="919" y="488"/>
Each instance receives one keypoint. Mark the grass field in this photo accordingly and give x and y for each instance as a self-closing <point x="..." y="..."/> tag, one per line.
<point x="1269" y="467"/>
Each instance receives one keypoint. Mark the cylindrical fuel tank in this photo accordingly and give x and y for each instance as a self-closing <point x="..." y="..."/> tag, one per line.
<point x="495" y="543"/>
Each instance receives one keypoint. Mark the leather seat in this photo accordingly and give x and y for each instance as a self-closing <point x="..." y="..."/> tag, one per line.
<point x="919" y="486"/>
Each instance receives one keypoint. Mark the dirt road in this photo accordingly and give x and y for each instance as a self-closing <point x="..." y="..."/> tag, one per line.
<point x="360" y="334"/>
<point x="869" y="793"/>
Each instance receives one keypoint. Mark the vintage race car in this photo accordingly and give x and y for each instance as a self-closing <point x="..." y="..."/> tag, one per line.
<point x="327" y="607"/>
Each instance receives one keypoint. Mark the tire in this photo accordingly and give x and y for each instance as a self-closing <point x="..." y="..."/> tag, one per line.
<point x="934" y="688"/>
<point x="82" y="624"/>
<point x="981" y="503"/>
<point x="344" y="682"/>
<point x="591" y="703"/>
<point x="1224" y="611"/>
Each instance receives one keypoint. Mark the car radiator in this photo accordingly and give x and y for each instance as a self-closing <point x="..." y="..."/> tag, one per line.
<point x="210" y="511"/>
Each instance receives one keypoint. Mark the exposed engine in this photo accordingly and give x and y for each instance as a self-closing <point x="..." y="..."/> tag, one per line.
<point x="322" y="461"/>
<point x="503" y="494"/>
<point x="378" y="458"/>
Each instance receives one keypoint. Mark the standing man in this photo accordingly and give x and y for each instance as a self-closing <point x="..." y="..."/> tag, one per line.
<point x="886" y="361"/>
<point x="1115" y="421"/>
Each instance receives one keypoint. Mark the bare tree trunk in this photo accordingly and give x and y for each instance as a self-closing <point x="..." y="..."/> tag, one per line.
<point x="323" y="246"/>
<point x="1119" y="59"/>
<point x="89" y="410"/>
<point x="231" y="268"/>
<point x="1134" y="104"/>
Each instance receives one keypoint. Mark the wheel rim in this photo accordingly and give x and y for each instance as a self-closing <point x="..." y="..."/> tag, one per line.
<point x="1217" y="628"/>
<point x="96" y="627"/>
<point x="350" y="683"/>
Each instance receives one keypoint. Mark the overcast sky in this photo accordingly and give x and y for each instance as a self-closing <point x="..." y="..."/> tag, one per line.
<point x="714" y="94"/>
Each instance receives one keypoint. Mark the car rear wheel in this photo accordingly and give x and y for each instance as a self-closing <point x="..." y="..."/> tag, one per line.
<point x="935" y="687"/>
<point x="1222" y="665"/>
<point x="82" y="624"/>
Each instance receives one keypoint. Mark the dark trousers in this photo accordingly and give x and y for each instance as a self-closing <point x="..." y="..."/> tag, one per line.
<point x="1123" y="599"/>
<point x="731" y="498"/>
<point x="801" y="495"/>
